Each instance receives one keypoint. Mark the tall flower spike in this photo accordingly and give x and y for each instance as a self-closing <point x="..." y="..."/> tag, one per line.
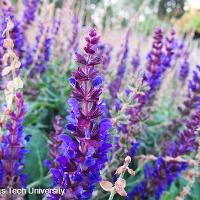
<point x="29" y="12"/>
<point x="154" y="63"/>
<point x="55" y="141"/>
<point x="12" y="147"/>
<point x="185" y="66"/>
<point x="115" y="85"/>
<point x="38" y="59"/>
<point x="81" y="158"/>
<point x="169" y="49"/>
<point x="74" y="40"/>
<point x="135" y="62"/>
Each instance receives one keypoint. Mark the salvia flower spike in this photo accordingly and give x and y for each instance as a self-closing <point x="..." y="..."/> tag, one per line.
<point x="12" y="147"/>
<point x="83" y="156"/>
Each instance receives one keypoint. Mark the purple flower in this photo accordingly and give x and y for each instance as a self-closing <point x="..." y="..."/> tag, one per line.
<point x="192" y="100"/>
<point x="186" y="139"/>
<point x="115" y="85"/>
<point x="105" y="54"/>
<point x="158" y="178"/>
<point x="185" y="67"/>
<point x="12" y="148"/>
<point x="134" y="148"/>
<point x="38" y="57"/>
<point x="154" y="63"/>
<point x="169" y="49"/>
<point x="29" y="12"/>
<point x="84" y="153"/>
<point x="73" y="42"/>
<point x="55" y="140"/>
<point x="135" y="62"/>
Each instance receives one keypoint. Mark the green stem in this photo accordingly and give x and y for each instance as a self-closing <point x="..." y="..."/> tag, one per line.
<point x="112" y="194"/>
<point x="38" y="182"/>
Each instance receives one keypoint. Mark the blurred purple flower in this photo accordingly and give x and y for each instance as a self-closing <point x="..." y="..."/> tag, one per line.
<point x="115" y="85"/>
<point x="185" y="67"/>
<point x="55" y="140"/>
<point x="29" y="12"/>
<point x="135" y="62"/>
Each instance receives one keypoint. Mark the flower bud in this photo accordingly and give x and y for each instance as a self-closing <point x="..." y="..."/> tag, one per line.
<point x="128" y="159"/>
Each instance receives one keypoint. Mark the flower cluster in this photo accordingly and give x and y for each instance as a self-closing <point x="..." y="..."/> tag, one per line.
<point x="84" y="153"/>
<point x="115" y="85"/>
<point x="105" y="54"/>
<point x="29" y="12"/>
<point x="169" y="49"/>
<point x="73" y="41"/>
<point x="12" y="147"/>
<point x="154" y="62"/>
<point x="55" y="141"/>
<point x="186" y="140"/>
<point x="185" y="67"/>
<point x="135" y="62"/>
<point x="38" y="58"/>
<point x="159" y="177"/>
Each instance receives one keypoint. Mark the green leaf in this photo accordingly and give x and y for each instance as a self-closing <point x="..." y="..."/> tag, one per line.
<point x="38" y="152"/>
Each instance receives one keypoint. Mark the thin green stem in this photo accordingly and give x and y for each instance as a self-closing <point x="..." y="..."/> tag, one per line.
<point x="38" y="182"/>
<point x="112" y="194"/>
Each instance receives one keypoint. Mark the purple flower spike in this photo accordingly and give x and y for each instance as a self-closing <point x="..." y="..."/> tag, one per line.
<point x="169" y="49"/>
<point x="74" y="38"/>
<point x="12" y="148"/>
<point x="115" y="85"/>
<point x="55" y="140"/>
<point x="80" y="160"/>
<point x="185" y="67"/>
<point x="29" y="12"/>
<point x="154" y="63"/>
<point x="135" y="62"/>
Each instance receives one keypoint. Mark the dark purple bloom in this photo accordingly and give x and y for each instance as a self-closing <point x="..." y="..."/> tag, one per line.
<point x="134" y="148"/>
<point x="84" y="152"/>
<point x="12" y="148"/>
